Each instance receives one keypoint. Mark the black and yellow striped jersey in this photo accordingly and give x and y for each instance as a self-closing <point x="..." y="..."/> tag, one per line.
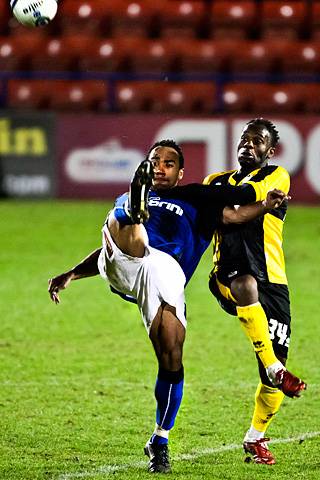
<point x="258" y="243"/>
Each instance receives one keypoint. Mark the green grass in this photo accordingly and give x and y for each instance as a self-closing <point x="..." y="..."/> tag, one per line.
<point x="76" y="380"/>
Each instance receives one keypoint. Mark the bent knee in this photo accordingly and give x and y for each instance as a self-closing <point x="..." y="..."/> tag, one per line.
<point x="245" y="290"/>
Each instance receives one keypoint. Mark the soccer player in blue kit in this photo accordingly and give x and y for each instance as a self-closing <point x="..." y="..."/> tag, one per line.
<point x="152" y="242"/>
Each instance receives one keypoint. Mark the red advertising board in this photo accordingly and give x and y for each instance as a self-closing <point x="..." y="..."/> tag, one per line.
<point x="98" y="154"/>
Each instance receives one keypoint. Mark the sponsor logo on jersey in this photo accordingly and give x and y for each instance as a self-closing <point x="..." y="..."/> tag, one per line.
<point x="157" y="202"/>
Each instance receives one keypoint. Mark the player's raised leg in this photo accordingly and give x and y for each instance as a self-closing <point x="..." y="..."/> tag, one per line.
<point x="132" y="210"/>
<point x="139" y="192"/>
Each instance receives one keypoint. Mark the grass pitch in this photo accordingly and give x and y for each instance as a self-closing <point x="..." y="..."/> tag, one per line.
<point x="77" y="379"/>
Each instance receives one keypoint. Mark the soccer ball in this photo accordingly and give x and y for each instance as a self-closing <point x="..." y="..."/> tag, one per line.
<point x="34" y="13"/>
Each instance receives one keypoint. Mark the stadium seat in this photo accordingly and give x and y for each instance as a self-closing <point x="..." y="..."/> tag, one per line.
<point x="207" y="56"/>
<point x="232" y="19"/>
<point x="140" y="96"/>
<point x="78" y="95"/>
<point x="262" y="57"/>
<point x="285" y="19"/>
<point x="315" y="20"/>
<point x="111" y="54"/>
<point x="263" y="98"/>
<point x="12" y="57"/>
<point x="28" y="94"/>
<point x="282" y="98"/>
<point x="61" y="53"/>
<point x="182" y="18"/>
<point x="311" y="98"/>
<point x="237" y="98"/>
<point x="166" y="97"/>
<point x="190" y="97"/>
<point x="86" y="16"/>
<point x="301" y="58"/>
<point x="5" y="15"/>
<point x="156" y="56"/>
<point x="133" y="18"/>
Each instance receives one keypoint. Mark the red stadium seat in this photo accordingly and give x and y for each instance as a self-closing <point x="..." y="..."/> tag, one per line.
<point x="156" y="56"/>
<point x="182" y="18"/>
<point x="89" y="17"/>
<point x="78" y="96"/>
<point x="5" y="15"/>
<point x="190" y="97"/>
<point x="259" y="56"/>
<point x="237" y="97"/>
<point x="12" y="56"/>
<point x="144" y="96"/>
<point x="301" y="58"/>
<point x="28" y="94"/>
<point x="282" y="98"/>
<point x="61" y="53"/>
<point x="263" y="98"/>
<point x="207" y="56"/>
<point x="133" y="18"/>
<point x="315" y="20"/>
<point x="232" y="18"/>
<point x="111" y="54"/>
<point x="166" y="97"/>
<point x="311" y="98"/>
<point x="285" y="19"/>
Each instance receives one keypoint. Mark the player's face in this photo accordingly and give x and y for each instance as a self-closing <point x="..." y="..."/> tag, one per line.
<point x="166" y="169"/>
<point x="255" y="147"/>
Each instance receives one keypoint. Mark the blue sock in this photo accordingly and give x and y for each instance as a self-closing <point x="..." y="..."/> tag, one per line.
<point x="120" y="210"/>
<point x="168" y="393"/>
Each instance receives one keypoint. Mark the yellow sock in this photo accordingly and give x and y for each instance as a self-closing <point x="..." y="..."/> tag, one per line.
<point x="255" y="324"/>
<point x="267" y="404"/>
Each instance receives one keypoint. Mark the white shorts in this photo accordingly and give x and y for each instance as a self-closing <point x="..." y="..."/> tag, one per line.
<point x="152" y="280"/>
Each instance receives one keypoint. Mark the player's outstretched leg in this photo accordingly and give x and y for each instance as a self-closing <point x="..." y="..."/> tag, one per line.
<point x="139" y="192"/>
<point x="159" y="458"/>
<point x="167" y="335"/>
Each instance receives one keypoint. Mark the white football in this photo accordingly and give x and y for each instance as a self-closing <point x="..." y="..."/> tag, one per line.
<point x="34" y="13"/>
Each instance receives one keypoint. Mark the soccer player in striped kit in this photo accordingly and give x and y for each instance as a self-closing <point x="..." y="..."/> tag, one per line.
<point x="249" y="280"/>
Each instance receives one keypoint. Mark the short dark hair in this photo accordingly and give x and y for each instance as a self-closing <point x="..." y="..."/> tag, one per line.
<point x="172" y="144"/>
<point x="263" y="122"/>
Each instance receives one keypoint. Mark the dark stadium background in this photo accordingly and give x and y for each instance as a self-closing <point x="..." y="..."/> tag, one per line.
<point x="82" y="99"/>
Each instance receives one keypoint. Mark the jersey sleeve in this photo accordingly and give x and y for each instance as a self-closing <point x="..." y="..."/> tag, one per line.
<point x="211" y="196"/>
<point x="279" y="179"/>
<point x="210" y="178"/>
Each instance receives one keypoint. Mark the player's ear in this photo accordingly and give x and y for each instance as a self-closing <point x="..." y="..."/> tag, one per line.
<point x="271" y="152"/>
<point x="180" y="175"/>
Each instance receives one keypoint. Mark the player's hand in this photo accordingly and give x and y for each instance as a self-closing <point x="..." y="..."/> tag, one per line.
<point x="275" y="198"/>
<point x="59" y="283"/>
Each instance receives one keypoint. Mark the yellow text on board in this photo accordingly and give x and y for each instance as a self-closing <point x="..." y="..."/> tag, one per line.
<point x="22" y="140"/>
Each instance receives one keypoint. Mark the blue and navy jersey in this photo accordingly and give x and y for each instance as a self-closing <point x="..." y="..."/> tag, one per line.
<point x="183" y="219"/>
<point x="175" y="227"/>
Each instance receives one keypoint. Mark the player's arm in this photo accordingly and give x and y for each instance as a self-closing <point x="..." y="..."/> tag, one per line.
<point x="246" y="213"/>
<point x="204" y="195"/>
<point x="279" y="179"/>
<point x="87" y="268"/>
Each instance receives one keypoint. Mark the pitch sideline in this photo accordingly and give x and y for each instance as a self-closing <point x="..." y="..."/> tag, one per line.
<point x="110" y="469"/>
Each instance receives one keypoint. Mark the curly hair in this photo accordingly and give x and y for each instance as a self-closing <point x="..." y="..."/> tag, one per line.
<point x="172" y="144"/>
<point x="263" y="122"/>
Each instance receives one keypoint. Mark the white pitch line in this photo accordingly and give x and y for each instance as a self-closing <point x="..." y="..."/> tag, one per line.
<point x="110" y="469"/>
